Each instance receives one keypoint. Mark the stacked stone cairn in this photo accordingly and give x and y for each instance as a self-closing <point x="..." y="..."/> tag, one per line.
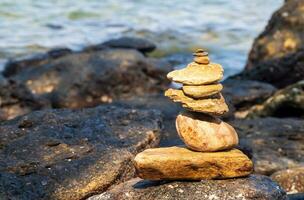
<point x="210" y="151"/>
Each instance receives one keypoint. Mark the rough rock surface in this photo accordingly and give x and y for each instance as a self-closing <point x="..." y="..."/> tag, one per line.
<point x="205" y="133"/>
<point x="88" y="79"/>
<point x="177" y="163"/>
<point x="279" y="72"/>
<point x="214" y="105"/>
<point x="288" y="102"/>
<point x="139" y="44"/>
<point x="16" y="99"/>
<point x="284" y="34"/>
<point x="72" y="154"/>
<point x="274" y="143"/>
<point x="202" y="90"/>
<point x="291" y="180"/>
<point x="243" y="94"/>
<point x="251" y="188"/>
<point x="197" y="74"/>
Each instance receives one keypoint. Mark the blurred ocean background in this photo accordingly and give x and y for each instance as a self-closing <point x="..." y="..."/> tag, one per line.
<point x="225" y="28"/>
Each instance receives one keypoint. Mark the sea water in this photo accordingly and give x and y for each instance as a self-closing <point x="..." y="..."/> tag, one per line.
<point x="226" y="28"/>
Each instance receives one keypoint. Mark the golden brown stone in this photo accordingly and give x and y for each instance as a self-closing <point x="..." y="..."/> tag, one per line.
<point x="197" y="74"/>
<point x="176" y="163"/>
<point x="202" y="60"/>
<point x="205" y="133"/>
<point x="202" y="90"/>
<point x="214" y="105"/>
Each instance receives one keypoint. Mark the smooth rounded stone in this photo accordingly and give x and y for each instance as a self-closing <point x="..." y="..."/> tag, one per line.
<point x="292" y="180"/>
<point x="201" y="91"/>
<point x="205" y="133"/>
<point x="196" y="74"/>
<point x="202" y="60"/>
<point x="177" y="163"/>
<point x="253" y="187"/>
<point x="67" y="154"/>
<point x="214" y="105"/>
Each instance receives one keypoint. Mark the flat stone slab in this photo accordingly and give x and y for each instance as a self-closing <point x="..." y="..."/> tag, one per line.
<point x="197" y="74"/>
<point x="253" y="187"/>
<point x="72" y="154"/>
<point x="177" y="163"/>
<point x="214" y="105"/>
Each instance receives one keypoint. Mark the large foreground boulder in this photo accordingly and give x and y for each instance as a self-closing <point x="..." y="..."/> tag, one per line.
<point x="284" y="34"/>
<point x="252" y="187"/>
<point x="90" y="78"/>
<point x="65" y="154"/>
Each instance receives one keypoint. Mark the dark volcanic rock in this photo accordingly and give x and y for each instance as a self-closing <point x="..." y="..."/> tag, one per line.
<point x="292" y="180"/>
<point x="65" y="154"/>
<point x="279" y="72"/>
<point x="275" y="143"/>
<point x="253" y="187"/>
<point x="284" y="34"/>
<point x="242" y="94"/>
<point x="288" y="102"/>
<point x="139" y="44"/>
<point x="17" y="65"/>
<point x="16" y="99"/>
<point x="88" y="79"/>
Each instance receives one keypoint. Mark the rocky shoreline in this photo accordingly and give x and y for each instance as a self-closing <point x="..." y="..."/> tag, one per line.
<point x="72" y="122"/>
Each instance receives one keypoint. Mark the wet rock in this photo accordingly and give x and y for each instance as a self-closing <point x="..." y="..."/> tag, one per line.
<point x="252" y="187"/>
<point x="205" y="133"/>
<point x="177" y="163"/>
<point x="139" y="44"/>
<point x="275" y="143"/>
<point x="72" y="154"/>
<point x="88" y="79"/>
<point x="242" y="94"/>
<point x="16" y="99"/>
<point x="279" y="72"/>
<point x="214" y="105"/>
<point x="291" y="180"/>
<point x="284" y="34"/>
<point x="288" y="102"/>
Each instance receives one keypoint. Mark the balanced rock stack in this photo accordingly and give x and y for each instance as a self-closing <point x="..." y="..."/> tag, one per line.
<point x="210" y="142"/>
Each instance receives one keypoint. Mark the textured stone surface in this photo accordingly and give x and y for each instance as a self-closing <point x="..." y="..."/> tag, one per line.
<point x="288" y="102"/>
<point x="254" y="187"/>
<point x="279" y="72"/>
<point x="284" y="34"/>
<point x="16" y="99"/>
<point x="291" y="180"/>
<point x="205" y="133"/>
<point x="214" y="105"/>
<point x="72" y="154"/>
<point x="196" y="74"/>
<point x="202" y="90"/>
<point x="243" y="94"/>
<point x="91" y="78"/>
<point x="177" y="163"/>
<point x="274" y="143"/>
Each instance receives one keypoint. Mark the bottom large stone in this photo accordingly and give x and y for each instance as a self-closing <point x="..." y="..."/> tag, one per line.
<point x="254" y="187"/>
<point x="176" y="163"/>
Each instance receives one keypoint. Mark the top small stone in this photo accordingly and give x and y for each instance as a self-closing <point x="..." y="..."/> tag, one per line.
<point x="201" y="57"/>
